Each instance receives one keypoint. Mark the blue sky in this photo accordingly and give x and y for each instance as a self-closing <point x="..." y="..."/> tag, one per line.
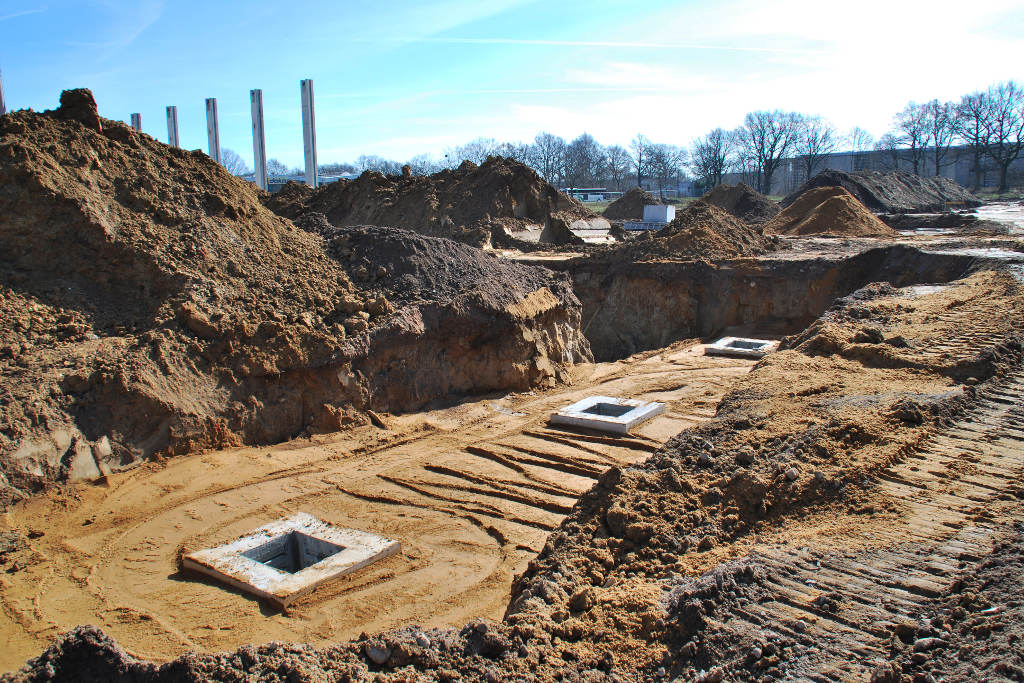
<point x="401" y="78"/>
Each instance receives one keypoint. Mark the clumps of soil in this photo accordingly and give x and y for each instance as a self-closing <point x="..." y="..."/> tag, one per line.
<point x="290" y="201"/>
<point x="974" y="631"/>
<point x="151" y="305"/>
<point x="892" y="192"/>
<point x="466" y="204"/>
<point x="630" y="206"/>
<point x="744" y="202"/>
<point x="830" y="211"/>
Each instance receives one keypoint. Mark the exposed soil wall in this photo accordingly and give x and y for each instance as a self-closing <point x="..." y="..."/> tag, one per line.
<point x="151" y="305"/>
<point x="630" y="307"/>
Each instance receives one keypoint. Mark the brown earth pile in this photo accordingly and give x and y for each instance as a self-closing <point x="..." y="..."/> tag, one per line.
<point x="631" y="205"/>
<point x="619" y="591"/>
<point x="828" y="211"/>
<point x="744" y="202"/>
<point x="891" y="192"/>
<point x="466" y="204"/>
<point x="150" y="304"/>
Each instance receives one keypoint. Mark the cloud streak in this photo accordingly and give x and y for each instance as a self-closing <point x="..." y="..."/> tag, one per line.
<point x="595" y="43"/>
<point x="23" y="13"/>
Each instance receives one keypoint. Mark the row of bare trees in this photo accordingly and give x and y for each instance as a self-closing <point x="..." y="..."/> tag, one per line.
<point x="989" y="124"/>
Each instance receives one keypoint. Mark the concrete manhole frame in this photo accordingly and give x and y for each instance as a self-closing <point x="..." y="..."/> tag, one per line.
<point x="742" y="347"/>
<point x="330" y="553"/>
<point x="607" y="414"/>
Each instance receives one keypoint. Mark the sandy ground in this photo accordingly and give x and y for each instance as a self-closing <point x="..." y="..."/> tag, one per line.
<point x="471" y="491"/>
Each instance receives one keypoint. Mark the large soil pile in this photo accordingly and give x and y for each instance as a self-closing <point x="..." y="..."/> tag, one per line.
<point x="744" y="202"/>
<point x="828" y="211"/>
<point x="467" y="204"/>
<point x="150" y="304"/>
<point x="892" y="192"/>
<point x="631" y="205"/>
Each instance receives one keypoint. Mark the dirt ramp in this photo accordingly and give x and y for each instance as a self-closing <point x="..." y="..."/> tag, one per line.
<point x="465" y="204"/>
<point x="828" y="211"/>
<point x="631" y="205"/>
<point x="150" y="304"/>
<point x="744" y="202"/>
<point x="892" y="192"/>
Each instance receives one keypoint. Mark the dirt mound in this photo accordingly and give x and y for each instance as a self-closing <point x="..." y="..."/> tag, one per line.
<point x="631" y="205"/>
<point x="178" y="313"/>
<point x="892" y="192"/>
<point x="290" y="201"/>
<point x="465" y="204"/>
<point x="744" y="202"/>
<point x="828" y="211"/>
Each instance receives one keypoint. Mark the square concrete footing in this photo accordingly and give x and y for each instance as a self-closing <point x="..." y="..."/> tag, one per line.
<point x="607" y="414"/>
<point x="741" y="347"/>
<point x="286" y="559"/>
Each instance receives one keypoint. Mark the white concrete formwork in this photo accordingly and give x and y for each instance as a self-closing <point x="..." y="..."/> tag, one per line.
<point x="741" y="347"/>
<point x="286" y="559"/>
<point x="607" y="414"/>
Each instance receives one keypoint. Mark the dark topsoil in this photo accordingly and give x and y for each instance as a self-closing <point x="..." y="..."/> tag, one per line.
<point x="467" y="204"/>
<point x="891" y="192"/>
<point x="631" y="205"/>
<point x="744" y="202"/>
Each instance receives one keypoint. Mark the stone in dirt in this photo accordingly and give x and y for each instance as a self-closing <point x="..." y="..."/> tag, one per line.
<point x="630" y="206"/>
<point x="892" y="192"/>
<point x="744" y="202"/>
<point x="150" y="304"/>
<point x="828" y="211"/>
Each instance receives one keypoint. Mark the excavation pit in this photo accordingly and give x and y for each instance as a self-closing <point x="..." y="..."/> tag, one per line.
<point x="741" y="346"/>
<point x="606" y="414"/>
<point x="287" y="559"/>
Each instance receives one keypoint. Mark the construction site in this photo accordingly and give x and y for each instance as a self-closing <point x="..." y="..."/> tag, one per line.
<point x="459" y="426"/>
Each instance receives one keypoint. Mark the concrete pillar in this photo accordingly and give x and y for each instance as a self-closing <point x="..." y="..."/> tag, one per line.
<point x="308" y="131"/>
<point x="137" y="122"/>
<point x="259" y="140"/>
<point x="3" y="107"/>
<point x="213" y="128"/>
<point x="172" y="127"/>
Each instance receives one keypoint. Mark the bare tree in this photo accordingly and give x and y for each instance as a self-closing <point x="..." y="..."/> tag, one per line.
<point x="372" y="162"/>
<point x="516" y="151"/>
<point x="969" y="121"/>
<point x="639" y="150"/>
<point x="476" y="151"/>
<point x="547" y="156"/>
<point x="423" y="164"/>
<point x="710" y="157"/>
<point x="767" y="137"/>
<point x="234" y="163"/>
<point x="584" y="161"/>
<point x="817" y="139"/>
<point x="939" y="125"/>
<point x="890" y="145"/>
<point x="912" y="132"/>
<point x="619" y="164"/>
<point x="860" y="140"/>
<point x="276" y="168"/>
<point x="1004" y="127"/>
<point x="665" y="163"/>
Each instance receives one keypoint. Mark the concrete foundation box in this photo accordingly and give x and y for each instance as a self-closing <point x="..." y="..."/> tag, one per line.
<point x="656" y="213"/>
<point x="607" y="414"/>
<point x="289" y="558"/>
<point x="741" y="347"/>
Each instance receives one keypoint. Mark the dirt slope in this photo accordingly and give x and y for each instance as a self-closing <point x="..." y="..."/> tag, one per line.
<point x="744" y="202"/>
<point x="177" y="313"/>
<point x="828" y="211"/>
<point x="892" y="192"/>
<point x="630" y="205"/>
<point x="465" y="204"/>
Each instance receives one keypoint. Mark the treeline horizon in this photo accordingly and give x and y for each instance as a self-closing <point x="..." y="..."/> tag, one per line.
<point x="989" y="123"/>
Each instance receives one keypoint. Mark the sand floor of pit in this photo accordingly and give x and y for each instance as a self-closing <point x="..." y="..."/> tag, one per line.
<point x="471" y="491"/>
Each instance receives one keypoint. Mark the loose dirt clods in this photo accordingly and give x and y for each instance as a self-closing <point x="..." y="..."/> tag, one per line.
<point x="846" y="508"/>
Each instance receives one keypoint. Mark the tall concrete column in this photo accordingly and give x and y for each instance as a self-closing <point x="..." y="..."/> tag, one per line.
<point x="172" y="127"/>
<point x="259" y="140"/>
<point x="137" y="122"/>
<point x="3" y="107"/>
<point x="308" y="131"/>
<point x="213" y="128"/>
